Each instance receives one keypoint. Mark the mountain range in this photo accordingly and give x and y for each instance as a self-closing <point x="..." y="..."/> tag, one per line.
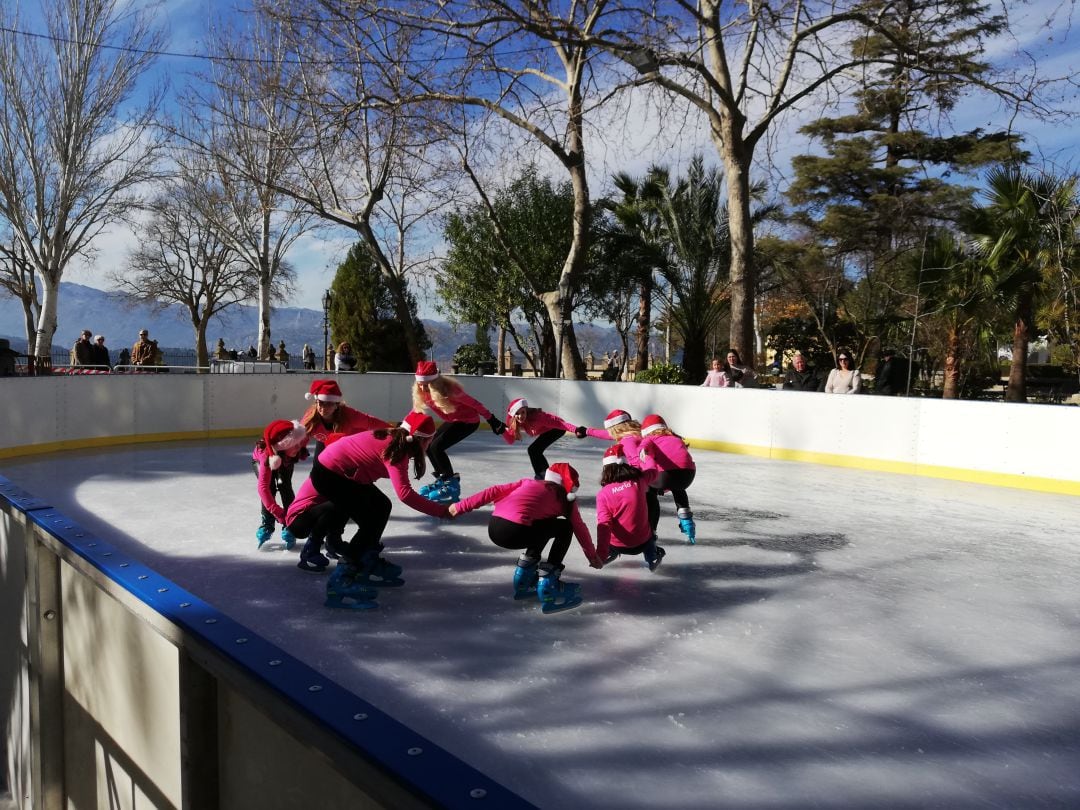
<point x="119" y="319"/>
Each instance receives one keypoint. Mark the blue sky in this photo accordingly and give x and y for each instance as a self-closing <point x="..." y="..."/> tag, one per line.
<point x="633" y="138"/>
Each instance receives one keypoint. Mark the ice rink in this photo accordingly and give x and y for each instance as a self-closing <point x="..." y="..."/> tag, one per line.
<point x="836" y="639"/>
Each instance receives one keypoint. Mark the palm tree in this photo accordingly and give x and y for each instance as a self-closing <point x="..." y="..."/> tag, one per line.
<point x="1018" y="234"/>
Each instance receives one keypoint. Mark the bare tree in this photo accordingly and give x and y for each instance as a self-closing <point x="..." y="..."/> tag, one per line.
<point x="185" y="258"/>
<point x="74" y="147"/>
<point x="745" y="67"/>
<point x="17" y="277"/>
<point x="240" y="119"/>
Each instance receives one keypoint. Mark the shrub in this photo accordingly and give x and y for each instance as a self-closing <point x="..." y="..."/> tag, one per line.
<point x="662" y="373"/>
<point x="469" y="357"/>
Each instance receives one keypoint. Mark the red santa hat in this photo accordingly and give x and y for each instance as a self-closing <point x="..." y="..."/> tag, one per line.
<point x="419" y="425"/>
<point x="566" y="476"/>
<point x="283" y="436"/>
<point x="324" y="391"/>
<point x="614" y="455"/>
<point x="515" y="406"/>
<point x="616" y="417"/>
<point x="426" y="371"/>
<point x="652" y="423"/>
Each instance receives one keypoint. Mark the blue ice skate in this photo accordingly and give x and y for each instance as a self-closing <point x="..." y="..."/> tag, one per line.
<point x="525" y="578"/>
<point x="377" y="571"/>
<point x="686" y="525"/>
<point x="449" y="493"/>
<point x="429" y="490"/>
<point x="262" y="534"/>
<point x="288" y="538"/>
<point x="654" y="554"/>
<point x="345" y="590"/>
<point x="554" y="594"/>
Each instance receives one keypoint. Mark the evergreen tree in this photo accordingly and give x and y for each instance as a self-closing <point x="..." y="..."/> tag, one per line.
<point x="363" y="314"/>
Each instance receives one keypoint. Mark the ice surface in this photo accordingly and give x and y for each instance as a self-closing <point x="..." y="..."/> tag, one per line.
<point x="836" y="638"/>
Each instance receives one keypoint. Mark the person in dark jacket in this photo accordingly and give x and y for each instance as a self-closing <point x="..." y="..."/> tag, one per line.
<point x="100" y="353"/>
<point x="801" y="376"/>
<point x="892" y="374"/>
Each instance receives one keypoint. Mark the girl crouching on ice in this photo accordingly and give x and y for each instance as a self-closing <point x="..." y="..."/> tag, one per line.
<point x="622" y="516"/>
<point x="677" y="471"/>
<point x="621" y="427"/>
<point x="521" y="420"/>
<point x="283" y="443"/>
<point x="528" y="514"/>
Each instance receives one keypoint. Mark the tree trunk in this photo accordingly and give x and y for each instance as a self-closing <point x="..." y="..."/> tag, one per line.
<point x="46" y="323"/>
<point x="263" y="346"/>
<point x="1017" y="389"/>
<point x="644" y="323"/>
<point x="693" y="363"/>
<point x="743" y="276"/>
<point x="28" y="325"/>
<point x="500" y="355"/>
<point x="202" y="355"/>
<point x="952" y="365"/>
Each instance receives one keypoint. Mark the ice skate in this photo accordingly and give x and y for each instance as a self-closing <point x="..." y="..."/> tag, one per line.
<point x="344" y="590"/>
<point x="686" y="525"/>
<point x="554" y="594"/>
<point x="654" y="554"/>
<point x="311" y="559"/>
<point x="428" y="490"/>
<point x="612" y="556"/>
<point x="525" y="578"/>
<point x="449" y="493"/>
<point x="262" y="534"/>
<point x="377" y="571"/>
<point x="288" y="538"/>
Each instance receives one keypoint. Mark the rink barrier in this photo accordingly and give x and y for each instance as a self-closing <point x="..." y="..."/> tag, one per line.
<point x="1003" y="444"/>
<point x="125" y="684"/>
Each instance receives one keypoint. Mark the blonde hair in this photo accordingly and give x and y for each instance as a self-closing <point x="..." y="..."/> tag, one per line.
<point x="308" y="419"/>
<point x="517" y="422"/>
<point x="630" y="428"/>
<point x="440" y="390"/>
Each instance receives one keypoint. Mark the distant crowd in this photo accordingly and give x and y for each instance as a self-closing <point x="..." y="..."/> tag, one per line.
<point x="893" y="375"/>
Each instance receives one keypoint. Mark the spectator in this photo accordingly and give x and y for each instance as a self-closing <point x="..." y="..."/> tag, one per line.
<point x="892" y="374"/>
<point x="344" y="360"/>
<point x="715" y="376"/>
<point x="142" y="353"/>
<point x="736" y="374"/>
<point x="844" y="379"/>
<point x="251" y="352"/>
<point x="801" y="376"/>
<point x="220" y="352"/>
<point x="282" y="355"/>
<point x="82" y="353"/>
<point x="124" y="358"/>
<point x="7" y="358"/>
<point x="309" y="357"/>
<point x="101" y="353"/>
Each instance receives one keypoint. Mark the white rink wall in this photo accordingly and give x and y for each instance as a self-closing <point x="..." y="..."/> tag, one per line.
<point x="1027" y="446"/>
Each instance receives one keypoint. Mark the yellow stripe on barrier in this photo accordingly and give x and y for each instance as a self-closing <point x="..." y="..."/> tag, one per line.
<point x="93" y="442"/>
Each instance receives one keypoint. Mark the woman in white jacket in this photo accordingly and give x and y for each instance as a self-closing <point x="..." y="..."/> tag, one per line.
<point x="844" y="379"/>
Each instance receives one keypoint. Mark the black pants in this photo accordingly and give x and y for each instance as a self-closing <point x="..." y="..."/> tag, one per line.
<point x="678" y="481"/>
<point x="364" y="504"/>
<point x="323" y="521"/>
<point x="507" y="534"/>
<point x="537" y="448"/>
<point x="280" y="484"/>
<point x="448" y="434"/>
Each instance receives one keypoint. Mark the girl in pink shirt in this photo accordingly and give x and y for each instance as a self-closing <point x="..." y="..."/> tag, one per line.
<point x="283" y="443"/>
<point x="461" y="415"/>
<point x="329" y="414"/>
<point x="622" y="516"/>
<point x="677" y="471"/>
<point x="528" y="514"/>
<point x="621" y="427"/>
<point x="521" y="420"/>
<point x="345" y="474"/>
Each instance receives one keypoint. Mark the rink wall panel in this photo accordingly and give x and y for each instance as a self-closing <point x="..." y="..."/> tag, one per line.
<point x="1019" y="445"/>
<point x="121" y="690"/>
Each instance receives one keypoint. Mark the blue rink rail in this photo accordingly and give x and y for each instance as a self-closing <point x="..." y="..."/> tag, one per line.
<point x="423" y="768"/>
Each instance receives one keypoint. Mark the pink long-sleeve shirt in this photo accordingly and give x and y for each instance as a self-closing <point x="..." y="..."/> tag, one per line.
<point x="527" y="501"/>
<point x="359" y="458"/>
<point x="670" y="452"/>
<point x="539" y="422"/>
<point x="306" y="497"/>
<point x="466" y="409"/>
<point x="260" y="455"/>
<point x="622" y="515"/>
<point x="346" y="420"/>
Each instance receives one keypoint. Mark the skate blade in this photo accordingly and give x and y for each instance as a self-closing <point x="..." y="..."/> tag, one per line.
<point x="531" y="594"/>
<point x="558" y="607"/>
<point x="356" y="604"/>
<point x="314" y="569"/>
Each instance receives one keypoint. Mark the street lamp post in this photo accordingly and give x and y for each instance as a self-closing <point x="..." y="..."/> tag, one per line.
<point x="327" y="300"/>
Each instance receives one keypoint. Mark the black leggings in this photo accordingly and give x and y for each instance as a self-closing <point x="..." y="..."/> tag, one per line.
<point x="280" y="484"/>
<point x="323" y="521"/>
<point x="448" y="434"/>
<point x="507" y="534"/>
<point x="537" y="448"/>
<point x="364" y="504"/>
<point x="678" y="481"/>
